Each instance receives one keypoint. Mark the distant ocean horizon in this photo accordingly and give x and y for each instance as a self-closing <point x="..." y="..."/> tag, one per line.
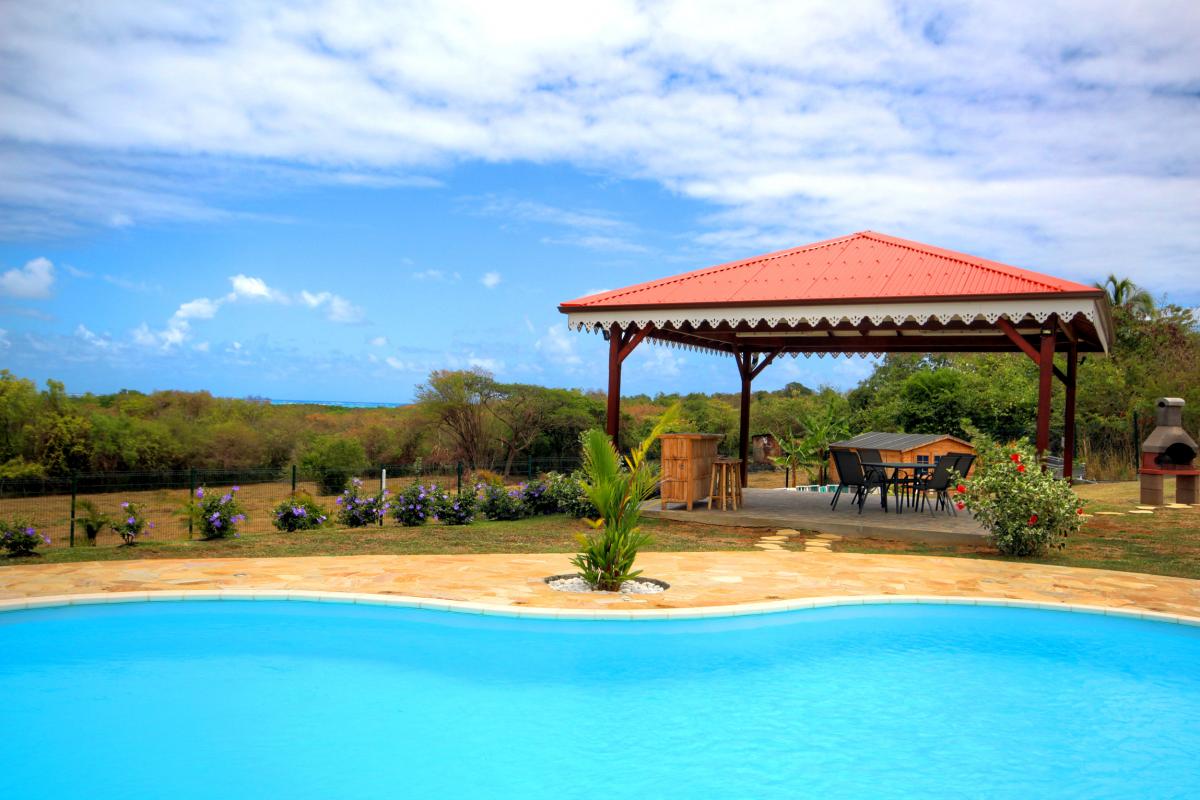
<point x="341" y="403"/>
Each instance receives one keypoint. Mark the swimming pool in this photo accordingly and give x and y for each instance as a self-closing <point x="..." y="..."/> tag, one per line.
<point x="300" y="700"/>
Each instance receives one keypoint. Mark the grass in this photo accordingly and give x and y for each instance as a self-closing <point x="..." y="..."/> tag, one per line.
<point x="1166" y="542"/>
<point x="548" y="534"/>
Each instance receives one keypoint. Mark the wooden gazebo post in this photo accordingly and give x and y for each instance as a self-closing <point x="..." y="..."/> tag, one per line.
<point x="620" y="345"/>
<point x="749" y="366"/>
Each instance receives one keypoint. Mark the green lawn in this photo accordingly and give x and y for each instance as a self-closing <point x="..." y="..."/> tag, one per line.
<point x="549" y="534"/>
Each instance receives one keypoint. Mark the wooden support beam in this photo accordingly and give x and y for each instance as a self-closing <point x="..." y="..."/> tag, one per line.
<point x="1020" y="341"/>
<point x="1069" y="415"/>
<point x="630" y="340"/>
<point x="1045" y="387"/>
<point x="767" y="359"/>
<point x="613" y="413"/>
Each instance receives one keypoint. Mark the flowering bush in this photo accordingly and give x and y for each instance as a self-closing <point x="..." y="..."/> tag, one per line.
<point x="217" y="515"/>
<point x="503" y="503"/>
<point x="130" y="523"/>
<point x="299" y="513"/>
<point x="356" y="510"/>
<point x="538" y="499"/>
<point x="1024" y="508"/>
<point x="569" y="495"/>
<point x="414" y="505"/>
<point x="456" y="509"/>
<point x="20" y="538"/>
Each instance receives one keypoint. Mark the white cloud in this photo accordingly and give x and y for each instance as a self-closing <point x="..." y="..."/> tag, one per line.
<point x="200" y="308"/>
<point x="403" y="366"/>
<point x="246" y="287"/>
<point x="201" y="347"/>
<point x="337" y="308"/>
<point x="33" y="281"/>
<point x="379" y="341"/>
<point x="176" y="332"/>
<point x="490" y="279"/>
<point x="659" y="360"/>
<point x="436" y="275"/>
<point x="1060" y="136"/>
<point x="101" y="342"/>
<point x="492" y="365"/>
<point x="76" y="272"/>
<point x="4" y="342"/>
<point x="559" y="346"/>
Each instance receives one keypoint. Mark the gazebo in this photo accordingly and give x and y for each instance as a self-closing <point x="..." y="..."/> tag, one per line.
<point x="865" y="293"/>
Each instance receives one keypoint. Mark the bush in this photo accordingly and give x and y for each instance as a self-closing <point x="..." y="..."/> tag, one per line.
<point x="617" y="488"/>
<point x="91" y="519"/>
<point x="1024" y="508"/>
<point x="19" y="538"/>
<point x="356" y="510"/>
<point x="217" y="515"/>
<point x="503" y="503"/>
<point x="18" y="469"/>
<point x="569" y="496"/>
<point x="414" y="505"/>
<point x="334" y="460"/>
<point x="485" y="477"/>
<point x="299" y="513"/>
<point x="538" y="499"/>
<point x="130" y="524"/>
<point x="455" y="509"/>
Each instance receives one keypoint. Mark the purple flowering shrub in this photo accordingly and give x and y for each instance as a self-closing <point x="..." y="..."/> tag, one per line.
<point x="539" y="499"/>
<point x="217" y="515"/>
<point x="356" y="510"/>
<point x="414" y="505"/>
<point x="130" y="523"/>
<point x="299" y="513"/>
<point x="503" y="503"/>
<point x="20" y="538"/>
<point x="456" y="509"/>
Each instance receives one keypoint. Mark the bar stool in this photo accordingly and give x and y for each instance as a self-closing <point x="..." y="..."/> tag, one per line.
<point x="725" y="483"/>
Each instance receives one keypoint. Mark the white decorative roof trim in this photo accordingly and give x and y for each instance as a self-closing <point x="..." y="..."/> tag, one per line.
<point x="1013" y="309"/>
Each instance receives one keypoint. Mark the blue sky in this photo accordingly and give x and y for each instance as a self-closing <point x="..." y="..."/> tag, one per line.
<point x="329" y="200"/>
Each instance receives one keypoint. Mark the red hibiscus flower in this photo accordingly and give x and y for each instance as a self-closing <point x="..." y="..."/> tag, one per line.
<point x="1033" y="519"/>
<point x="1020" y="467"/>
<point x="1079" y="511"/>
<point x="960" y="505"/>
<point x="960" y="489"/>
<point x="1015" y="457"/>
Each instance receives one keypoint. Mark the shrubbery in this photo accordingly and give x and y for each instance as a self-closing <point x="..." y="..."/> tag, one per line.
<point x="1024" y="508"/>
<point x="299" y="513"/>
<point x="456" y="509"/>
<point x="569" y="496"/>
<point x="502" y="503"/>
<point x="217" y="515"/>
<point x="538" y="499"/>
<point x="131" y="523"/>
<point x="334" y="460"/>
<point x="414" y="505"/>
<point x="19" y="538"/>
<point x="356" y="510"/>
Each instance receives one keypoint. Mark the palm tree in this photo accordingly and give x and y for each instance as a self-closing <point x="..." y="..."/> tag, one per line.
<point x="1124" y="294"/>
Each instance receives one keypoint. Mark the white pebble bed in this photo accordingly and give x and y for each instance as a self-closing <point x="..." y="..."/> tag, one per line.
<point x="577" y="584"/>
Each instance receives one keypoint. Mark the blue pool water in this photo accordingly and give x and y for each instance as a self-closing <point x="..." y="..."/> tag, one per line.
<point x="306" y="700"/>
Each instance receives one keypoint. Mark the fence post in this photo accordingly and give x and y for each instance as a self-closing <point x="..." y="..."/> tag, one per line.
<point x="293" y="478"/>
<point x="382" y="486"/>
<point x="191" y="496"/>
<point x="531" y="468"/>
<point x="458" y="477"/>
<point x="74" y="492"/>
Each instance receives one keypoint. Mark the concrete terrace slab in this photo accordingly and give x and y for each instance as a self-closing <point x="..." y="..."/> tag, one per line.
<point x="698" y="580"/>
<point x="781" y="508"/>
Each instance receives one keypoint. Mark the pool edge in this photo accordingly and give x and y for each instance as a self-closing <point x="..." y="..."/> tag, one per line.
<point x="487" y="609"/>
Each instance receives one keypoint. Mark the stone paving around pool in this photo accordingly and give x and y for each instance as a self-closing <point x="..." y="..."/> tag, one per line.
<point x="697" y="579"/>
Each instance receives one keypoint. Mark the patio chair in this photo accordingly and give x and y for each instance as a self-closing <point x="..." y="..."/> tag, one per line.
<point x="851" y="476"/>
<point x="965" y="460"/>
<point x="937" y="482"/>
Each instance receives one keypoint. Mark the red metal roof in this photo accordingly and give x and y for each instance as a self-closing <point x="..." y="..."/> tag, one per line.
<point x="865" y="266"/>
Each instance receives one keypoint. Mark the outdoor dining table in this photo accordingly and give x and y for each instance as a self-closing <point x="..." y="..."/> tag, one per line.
<point x="892" y="483"/>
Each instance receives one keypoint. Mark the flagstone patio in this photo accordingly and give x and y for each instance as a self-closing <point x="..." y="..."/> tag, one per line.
<point x="697" y="579"/>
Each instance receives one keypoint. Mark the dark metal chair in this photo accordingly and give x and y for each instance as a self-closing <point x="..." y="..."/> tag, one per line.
<point x="937" y="482"/>
<point x="851" y="476"/>
<point x="965" y="460"/>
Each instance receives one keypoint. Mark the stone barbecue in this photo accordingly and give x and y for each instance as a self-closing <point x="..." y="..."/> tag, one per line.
<point x="1169" y="451"/>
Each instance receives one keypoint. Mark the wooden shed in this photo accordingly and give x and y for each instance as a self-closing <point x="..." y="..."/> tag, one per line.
<point x="921" y="448"/>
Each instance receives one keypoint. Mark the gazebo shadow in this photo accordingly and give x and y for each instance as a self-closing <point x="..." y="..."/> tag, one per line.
<point x="810" y="511"/>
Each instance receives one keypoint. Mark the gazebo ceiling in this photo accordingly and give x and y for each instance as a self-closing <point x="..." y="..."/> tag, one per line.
<point x="863" y="293"/>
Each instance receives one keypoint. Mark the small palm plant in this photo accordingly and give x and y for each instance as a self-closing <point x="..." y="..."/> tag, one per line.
<point x="92" y="520"/>
<point x="617" y="488"/>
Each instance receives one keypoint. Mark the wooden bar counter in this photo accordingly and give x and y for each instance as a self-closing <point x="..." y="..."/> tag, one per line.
<point x="686" y="466"/>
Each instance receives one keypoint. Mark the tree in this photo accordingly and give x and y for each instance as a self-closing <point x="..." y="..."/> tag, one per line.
<point x="459" y="402"/>
<point x="1127" y="296"/>
<point x="334" y="459"/>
